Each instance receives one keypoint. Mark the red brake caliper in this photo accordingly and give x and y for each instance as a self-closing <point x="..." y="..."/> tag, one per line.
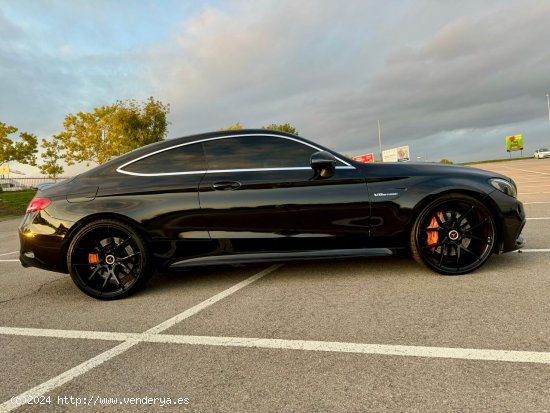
<point x="433" y="236"/>
<point x="93" y="258"/>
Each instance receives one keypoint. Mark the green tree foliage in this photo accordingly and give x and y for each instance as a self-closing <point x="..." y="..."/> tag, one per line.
<point x="235" y="126"/>
<point x="23" y="151"/>
<point x="112" y="130"/>
<point x="282" y="128"/>
<point x="52" y="154"/>
<point x="446" y="161"/>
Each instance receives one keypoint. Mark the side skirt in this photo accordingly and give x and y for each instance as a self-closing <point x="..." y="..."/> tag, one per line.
<point x="281" y="257"/>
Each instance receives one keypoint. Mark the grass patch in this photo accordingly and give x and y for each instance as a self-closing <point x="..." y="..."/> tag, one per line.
<point x="14" y="204"/>
<point x="496" y="160"/>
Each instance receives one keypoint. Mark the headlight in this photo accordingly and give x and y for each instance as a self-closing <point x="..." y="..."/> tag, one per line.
<point x="504" y="186"/>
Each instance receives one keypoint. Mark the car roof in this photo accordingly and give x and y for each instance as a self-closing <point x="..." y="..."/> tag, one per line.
<point x="120" y="160"/>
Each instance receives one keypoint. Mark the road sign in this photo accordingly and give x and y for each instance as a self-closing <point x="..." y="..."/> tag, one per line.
<point x="367" y="158"/>
<point x="400" y="154"/>
<point x="514" y="143"/>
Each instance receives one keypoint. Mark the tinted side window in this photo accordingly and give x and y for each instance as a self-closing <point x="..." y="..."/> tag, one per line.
<point x="256" y="152"/>
<point x="188" y="158"/>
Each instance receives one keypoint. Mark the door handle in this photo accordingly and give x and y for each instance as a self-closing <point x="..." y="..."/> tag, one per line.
<point x="226" y="185"/>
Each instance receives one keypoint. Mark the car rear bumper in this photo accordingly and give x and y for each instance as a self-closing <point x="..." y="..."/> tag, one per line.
<point x="42" y="243"/>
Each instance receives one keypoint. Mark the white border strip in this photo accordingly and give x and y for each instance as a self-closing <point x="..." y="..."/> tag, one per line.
<point x="513" y="356"/>
<point x="534" y="250"/>
<point x="130" y="341"/>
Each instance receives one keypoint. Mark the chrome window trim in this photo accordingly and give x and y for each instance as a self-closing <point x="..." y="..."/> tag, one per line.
<point x="122" y="171"/>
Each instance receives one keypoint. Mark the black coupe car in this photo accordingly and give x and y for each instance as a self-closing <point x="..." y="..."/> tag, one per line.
<point x="258" y="195"/>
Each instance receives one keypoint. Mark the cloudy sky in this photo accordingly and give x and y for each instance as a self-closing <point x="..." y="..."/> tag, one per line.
<point x="448" y="78"/>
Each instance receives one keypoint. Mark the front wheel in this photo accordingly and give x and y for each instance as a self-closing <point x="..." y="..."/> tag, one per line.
<point x="108" y="259"/>
<point x="453" y="235"/>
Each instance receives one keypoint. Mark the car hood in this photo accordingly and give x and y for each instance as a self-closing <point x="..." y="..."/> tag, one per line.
<point x="403" y="169"/>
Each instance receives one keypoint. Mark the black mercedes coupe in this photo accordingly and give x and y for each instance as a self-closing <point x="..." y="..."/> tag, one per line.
<point x="261" y="196"/>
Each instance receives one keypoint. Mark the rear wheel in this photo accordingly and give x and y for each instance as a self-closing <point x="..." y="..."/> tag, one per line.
<point x="108" y="259"/>
<point x="453" y="235"/>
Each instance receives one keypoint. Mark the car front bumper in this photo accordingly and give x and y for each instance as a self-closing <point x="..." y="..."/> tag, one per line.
<point x="511" y="216"/>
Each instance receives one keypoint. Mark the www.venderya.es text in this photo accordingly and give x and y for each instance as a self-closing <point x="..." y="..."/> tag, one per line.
<point x="101" y="401"/>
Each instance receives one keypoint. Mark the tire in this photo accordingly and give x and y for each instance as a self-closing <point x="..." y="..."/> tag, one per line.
<point x="108" y="259"/>
<point x="453" y="235"/>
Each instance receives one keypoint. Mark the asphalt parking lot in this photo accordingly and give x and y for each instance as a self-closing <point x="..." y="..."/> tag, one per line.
<point x="361" y="335"/>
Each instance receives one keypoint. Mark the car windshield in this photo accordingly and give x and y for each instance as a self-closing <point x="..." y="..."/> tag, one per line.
<point x="544" y="150"/>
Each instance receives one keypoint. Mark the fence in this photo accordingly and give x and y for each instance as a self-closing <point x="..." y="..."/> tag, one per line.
<point x="25" y="183"/>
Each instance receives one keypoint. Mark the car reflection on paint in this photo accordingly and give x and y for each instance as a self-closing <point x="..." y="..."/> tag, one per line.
<point x="258" y="196"/>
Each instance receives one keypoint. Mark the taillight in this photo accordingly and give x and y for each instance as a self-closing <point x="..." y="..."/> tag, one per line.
<point x="38" y="204"/>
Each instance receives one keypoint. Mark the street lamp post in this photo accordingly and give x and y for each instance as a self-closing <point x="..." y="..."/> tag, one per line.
<point x="380" y="141"/>
<point x="548" y="102"/>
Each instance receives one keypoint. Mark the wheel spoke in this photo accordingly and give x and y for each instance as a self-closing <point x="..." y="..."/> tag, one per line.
<point x="111" y="239"/>
<point x="471" y="236"/>
<point x="94" y="272"/>
<point x="123" y="243"/>
<point x="453" y="217"/>
<point x="478" y="225"/>
<point x="129" y="256"/>
<point x="99" y="247"/>
<point x="443" y="249"/>
<point x="470" y="252"/>
<point x="129" y="271"/>
<point x="107" y="280"/>
<point x="85" y="265"/>
<point x="463" y="217"/>
<point x="118" y="280"/>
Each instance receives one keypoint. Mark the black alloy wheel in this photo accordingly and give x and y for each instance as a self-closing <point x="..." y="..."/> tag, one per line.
<point x="453" y="235"/>
<point x="108" y="259"/>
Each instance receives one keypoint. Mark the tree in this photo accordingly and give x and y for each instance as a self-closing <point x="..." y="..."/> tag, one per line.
<point x="282" y="128"/>
<point x="446" y="161"/>
<point x="51" y="155"/>
<point x="235" y="126"/>
<point x="112" y="130"/>
<point x="23" y="151"/>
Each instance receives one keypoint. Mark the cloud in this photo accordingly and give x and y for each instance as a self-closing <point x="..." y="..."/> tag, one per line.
<point x="437" y="74"/>
<point x="322" y="69"/>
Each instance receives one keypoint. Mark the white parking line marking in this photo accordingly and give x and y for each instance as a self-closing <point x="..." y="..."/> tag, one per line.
<point x="9" y="253"/>
<point x="513" y="356"/>
<point x="54" y="333"/>
<point x="527" y="170"/>
<point x="199" y="307"/>
<point x="534" y="250"/>
<point x="537" y="218"/>
<point x="82" y="368"/>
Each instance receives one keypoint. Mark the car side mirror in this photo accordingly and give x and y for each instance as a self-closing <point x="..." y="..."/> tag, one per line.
<point x="323" y="163"/>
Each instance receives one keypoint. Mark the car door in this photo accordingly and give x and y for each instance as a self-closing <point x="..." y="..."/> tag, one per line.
<point x="260" y="194"/>
<point x="161" y="192"/>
